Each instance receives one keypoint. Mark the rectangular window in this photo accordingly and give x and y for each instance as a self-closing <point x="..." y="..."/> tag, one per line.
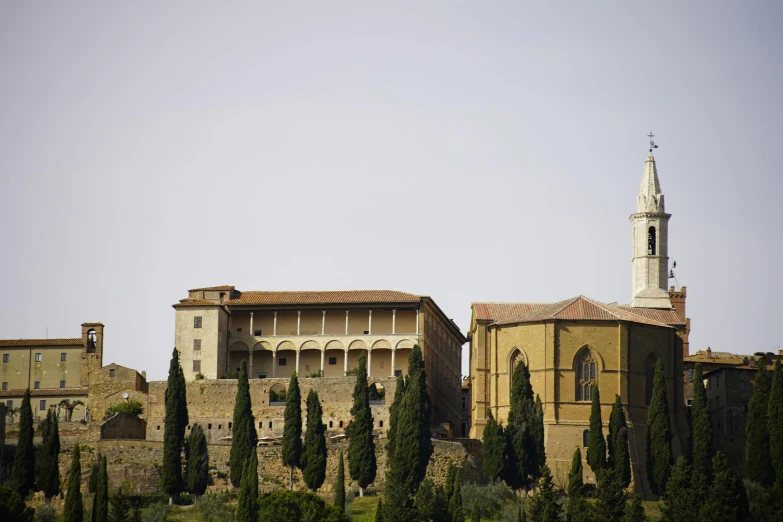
<point x="239" y="329"/>
<point x="38" y="357"/>
<point x="270" y="425"/>
<point x="63" y="356"/>
<point x="690" y="375"/>
<point x="397" y="373"/>
<point x="281" y="361"/>
<point x="42" y="405"/>
<point x="744" y="386"/>
<point x="5" y="385"/>
<point x="112" y="372"/>
<point x="689" y="402"/>
<point x="9" y="404"/>
<point x="257" y="333"/>
<point x="6" y="356"/>
<point x="197" y="322"/>
<point x="62" y="384"/>
<point x="464" y="403"/>
<point x="197" y="344"/>
<point x="37" y="385"/>
<point x="196" y="366"/>
<point x="332" y="361"/>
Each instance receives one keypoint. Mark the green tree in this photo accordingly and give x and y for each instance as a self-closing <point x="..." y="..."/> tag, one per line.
<point x="49" y="469"/>
<point x="758" y="458"/>
<point x="577" y="509"/>
<point x="314" y="451"/>
<point x="339" y="486"/>
<point x="521" y="438"/>
<point x="379" y="510"/>
<point x="244" y="438"/>
<point x="247" y="503"/>
<point x="494" y="445"/>
<point x="617" y="444"/>
<point x="775" y="421"/>
<point x="418" y="409"/>
<point x="634" y="511"/>
<point x="659" y="434"/>
<point x="537" y="434"/>
<point x="678" y="497"/>
<point x="431" y="503"/>
<point x="23" y="472"/>
<point x="455" y="502"/>
<point x="545" y="504"/>
<point x="610" y="497"/>
<point x="131" y="407"/>
<point x="394" y="409"/>
<point x="448" y="485"/>
<point x="361" y="448"/>
<point x="120" y="507"/>
<point x="13" y="508"/>
<point x="292" y="429"/>
<point x="700" y="450"/>
<point x="297" y="506"/>
<point x="197" y="462"/>
<point x="725" y="501"/>
<point x="174" y="428"/>
<point x="100" y="503"/>
<point x="74" y="508"/>
<point x="95" y="470"/>
<point x="596" y="451"/>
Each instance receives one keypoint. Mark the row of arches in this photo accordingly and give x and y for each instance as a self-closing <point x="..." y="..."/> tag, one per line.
<point x="334" y="344"/>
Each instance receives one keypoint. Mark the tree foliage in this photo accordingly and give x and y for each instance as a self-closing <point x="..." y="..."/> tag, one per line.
<point x="431" y="503"/>
<point x="174" y="428"/>
<point x="339" y="486"/>
<point x="775" y="422"/>
<point x="131" y="407"/>
<point x="197" y="462"/>
<point x="700" y="450"/>
<point x="596" y="451"/>
<point x="298" y="506"/>
<point x="494" y="445"/>
<point x="394" y="410"/>
<point x="634" y="511"/>
<point x="577" y="509"/>
<point x="314" y="451"/>
<point x="725" y="501"/>
<point x="244" y="438"/>
<point x="758" y="457"/>
<point x="678" y="497"/>
<point x="49" y="468"/>
<point x="13" y="508"/>
<point x="120" y="507"/>
<point x="610" y="497"/>
<point x="619" y="457"/>
<point x="659" y="434"/>
<point x="455" y="502"/>
<point x="292" y="429"/>
<point x="545" y="504"/>
<point x="23" y="472"/>
<point x="247" y="503"/>
<point x="361" y="448"/>
<point x="524" y="432"/>
<point x="100" y="503"/>
<point x="74" y="507"/>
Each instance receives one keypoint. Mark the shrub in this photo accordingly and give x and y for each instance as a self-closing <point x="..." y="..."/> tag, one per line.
<point x="214" y="507"/>
<point x="489" y="500"/>
<point x="132" y="407"/>
<point x="231" y="375"/>
<point x="45" y="514"/>
<point x="156" y="513"/>
<point x="277" y="396"/>
<point x="297" y="506"/>
<point x="200" y="376"/>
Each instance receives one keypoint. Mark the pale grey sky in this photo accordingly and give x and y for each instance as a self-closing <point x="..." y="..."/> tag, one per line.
<point x="469" y="151"/>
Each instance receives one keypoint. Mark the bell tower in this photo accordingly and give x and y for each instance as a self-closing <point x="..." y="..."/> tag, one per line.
<point x="650" y="242"/>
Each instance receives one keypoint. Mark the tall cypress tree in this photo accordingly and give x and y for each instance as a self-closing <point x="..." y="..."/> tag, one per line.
<point x="418" y="408"/>
<point x="247" y="503"/>
<point x="244" y="438"/>
<point x="521" y="458"/>
<point x="494" y="445"/>
<point x="120" y="507"/>
<point x="596" y="451"/>
<point x="610" y="497"/>
<point x="49" y="470"/>
<point x="701" y="438"/>
<point x="544" y="505"/>
<point x="577" y="509"/>
<point x="174" y="428"/>
<point x="617" y="444"/>
<point x="659" y="434"/>
<point x="74" y="508"/>
<point x="725" y="501"/>
<point x="314" y="450"/>
<point x="448" y="485"/>
<point x="537" y="434"/>
<point x="292" y="429"/>
<point x="678" y="498"/>
<point x="394" y="409"/>
<point x="339" y="486"/>
<point x="758" y="458"/>
<point x="775" y="421"/>
<point x="23" y="473"/>
<point x="198" y="462"/>
<point x="634" y="511"/>
<point x="455" y="502"/>
<point x="361" y="448"/>
<point x="100" y="503"/>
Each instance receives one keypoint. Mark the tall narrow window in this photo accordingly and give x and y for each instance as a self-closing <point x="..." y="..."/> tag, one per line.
<point x="651" y="241"/>
<point x="585" y="438"/>
<point x="38" y="357"/>
<point x="586" y="379"/>
<point x="197" y="322"/>
<point x="649" y="378"/>
<point x="197" y="344"/>
<point x="196" y="366"/>
<point x="63" y="356"/>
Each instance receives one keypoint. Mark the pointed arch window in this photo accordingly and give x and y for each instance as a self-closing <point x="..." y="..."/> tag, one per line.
<point x="651" y="241"/>
<point x="649" y="378"/>
<point x="514" y="360"/>
<point x="586" y="376"/>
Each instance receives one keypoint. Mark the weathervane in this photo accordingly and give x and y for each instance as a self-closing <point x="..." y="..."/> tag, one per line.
<point x="652" y="143"/>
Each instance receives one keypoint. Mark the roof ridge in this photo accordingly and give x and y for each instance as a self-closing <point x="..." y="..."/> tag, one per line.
<point x="607" y="307"/>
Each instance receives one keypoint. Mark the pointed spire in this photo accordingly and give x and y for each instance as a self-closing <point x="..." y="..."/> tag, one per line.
<point x="650" y="198"/>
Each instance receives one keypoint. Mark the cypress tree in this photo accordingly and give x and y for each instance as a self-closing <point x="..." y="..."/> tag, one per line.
<point x="361" y="448"/>
<point x="537" y="433"/>
<point x="494" y="445"/>
<point x="775" y="422"/>
<point x="120" y="507"/>
<point x="521" y="514"/>
<point x="577" y="509"/>
<point x="49" y="470"/>
<point x="339" y="486"/>
<point x="399" y="393"/>
<point x="701" y="438"/>
<point x="247" y="502"/>
<point x="596" y="451"/>
<point x="634" y="511"/>
<point x="544" y="505"/>
<point x="197" y="462"/>
<point x="418" y="410"/>
<point x="455" y="502"/>
<point x="678" y="497"/>
<point x="724" y="502"/>
<point x="610" y="502"/>
<point x="429" y="502"/>
<point x="244" y="438"/>
<point x="521" y="445"/>
<point x="23" y="473"/>
<point x="758" y="458"/>
<point x="617" y="444"/>
<point x="174" y="428"/>
<point x="292" y="430"/>
<point x="448" y="485"/>
<point x="74" y="508"/>
<point x="659" y="434"/>
<point x="100" y="503"/>
<point x="314" y="451"/>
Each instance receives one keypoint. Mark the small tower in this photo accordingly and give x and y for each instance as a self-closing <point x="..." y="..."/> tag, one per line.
<point x="92" y="350"/>
<point x="650" y="243"/>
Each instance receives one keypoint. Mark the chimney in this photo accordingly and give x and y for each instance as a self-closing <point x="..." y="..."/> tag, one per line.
<point x="709" y="352"/>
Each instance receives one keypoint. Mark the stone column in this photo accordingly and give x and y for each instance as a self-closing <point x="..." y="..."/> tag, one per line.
<point x="252" y="332"/>
<point x="369" y="323"/>
<point x="369" y="359"/>
<point x="394" y="351"/>
<point x="298" y="322"/>
<point x="274" y="359"/>
<point x="345" y="361"/>
<point x="274" y="328"/>
<point x="394" y="322"/>
<point x="323" y="354"/>
<point x="297" y="362"/>
<point x="323" y="324"/>
<point x="249" y="363"/>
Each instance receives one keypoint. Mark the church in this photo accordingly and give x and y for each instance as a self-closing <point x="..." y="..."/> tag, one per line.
<point x="579" y="345"/>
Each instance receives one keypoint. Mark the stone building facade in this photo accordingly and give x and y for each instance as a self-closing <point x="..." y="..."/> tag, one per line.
<point x="580" y="345"/>
<point x="709" y="361"/>
<point x="320" y="333"/>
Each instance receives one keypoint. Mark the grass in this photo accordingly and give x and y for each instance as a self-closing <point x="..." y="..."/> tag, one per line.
<point x="362" y="509"/>
<point x="652" y="510"/>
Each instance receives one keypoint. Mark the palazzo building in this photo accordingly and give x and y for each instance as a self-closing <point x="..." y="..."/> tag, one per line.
<point x="320" y="334"/>
<point x="578" y="346"/>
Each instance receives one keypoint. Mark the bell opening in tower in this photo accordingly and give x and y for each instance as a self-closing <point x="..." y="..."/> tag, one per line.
<point x="651" y="241"/>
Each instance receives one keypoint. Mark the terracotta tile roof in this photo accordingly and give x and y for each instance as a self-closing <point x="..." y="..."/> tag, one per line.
<point x="580" y="309"/>
<point x="670" y="317"/>
<point x="92" y="324"/>
<point x="501" y="311"/>
<point x="211" y="288"/>
<point x="716" y="358"/>
<point x="254" y="297"/>
<point x="46" y="392"/>
<point x="41" y="342"/>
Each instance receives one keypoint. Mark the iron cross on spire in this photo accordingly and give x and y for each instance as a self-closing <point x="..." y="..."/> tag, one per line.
<point x="652" y="143"/>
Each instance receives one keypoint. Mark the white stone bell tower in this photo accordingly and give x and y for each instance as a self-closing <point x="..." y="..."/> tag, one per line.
<point x="650" y="243"/>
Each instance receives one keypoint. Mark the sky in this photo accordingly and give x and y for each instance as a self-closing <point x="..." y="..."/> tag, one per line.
<point x="469" y="151"/>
